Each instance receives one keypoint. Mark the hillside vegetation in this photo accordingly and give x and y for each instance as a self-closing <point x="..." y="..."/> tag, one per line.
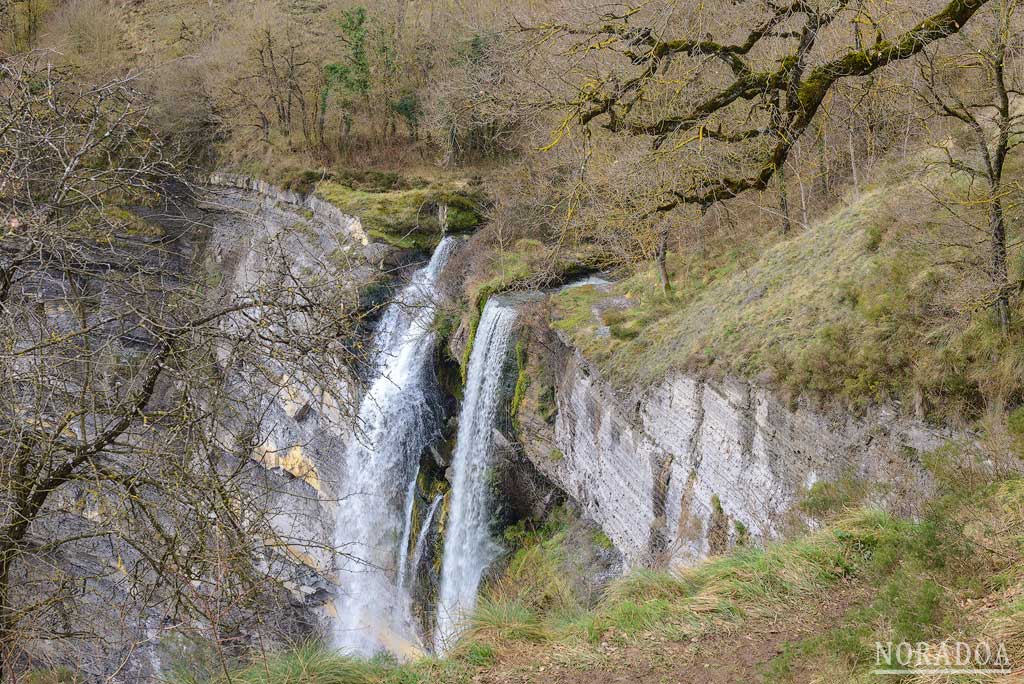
<point x="821" y="196"/>
<point x="806" y="610"/>
<point x="871" y="303"/>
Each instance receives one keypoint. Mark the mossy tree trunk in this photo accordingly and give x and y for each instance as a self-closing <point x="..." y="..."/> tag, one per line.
<point x="661" y="259"/>
<point x="6" y="654"/>
<point x="1004" y="120"/>
<point x="1000" y="273"/>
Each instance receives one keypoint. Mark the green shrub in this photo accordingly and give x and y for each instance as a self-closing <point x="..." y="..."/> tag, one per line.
<point x="874" y="238"/>
<point x="828" y="497"/>
<point x="522" y="380"/>
<point x="601" y="540"/>
<point x="912" y="606"/>
<point x="1015" y="421"/>
<point x="481" y="655"/>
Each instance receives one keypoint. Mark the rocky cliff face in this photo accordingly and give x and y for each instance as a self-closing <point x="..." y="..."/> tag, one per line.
<point x="233" y="239"/>
<point x="306" y="425"/>
<point x="691" y="466"/>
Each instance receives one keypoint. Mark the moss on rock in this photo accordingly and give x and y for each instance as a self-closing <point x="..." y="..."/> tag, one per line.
<point x="406" y="217"/>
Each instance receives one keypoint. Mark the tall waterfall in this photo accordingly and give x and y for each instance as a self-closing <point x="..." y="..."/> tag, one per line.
<point x="468" y="546"/>
<point x="397" y="420"/>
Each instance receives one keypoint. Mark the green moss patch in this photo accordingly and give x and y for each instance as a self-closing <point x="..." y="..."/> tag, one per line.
<point x="113" y="222"/>
<point x="403" y="215"/>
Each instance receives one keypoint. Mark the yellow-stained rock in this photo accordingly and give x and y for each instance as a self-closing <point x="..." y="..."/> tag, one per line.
<point x="292" y="461"/>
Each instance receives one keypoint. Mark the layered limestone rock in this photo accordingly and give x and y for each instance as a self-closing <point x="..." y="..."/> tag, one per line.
<point x="233" y="238"/>
<point x="325" y="211"/>
<point x="690" y="466"/>
<point x="305" y="424"/>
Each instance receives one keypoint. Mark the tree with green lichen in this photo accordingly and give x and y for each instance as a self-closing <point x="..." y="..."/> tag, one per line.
<point x="719" y="117"/>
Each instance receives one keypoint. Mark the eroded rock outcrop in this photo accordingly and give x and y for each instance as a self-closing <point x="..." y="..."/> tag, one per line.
<point x="691" y="466"/>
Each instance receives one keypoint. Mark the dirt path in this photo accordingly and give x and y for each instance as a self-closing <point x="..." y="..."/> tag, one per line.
<point x="738" y="654"/>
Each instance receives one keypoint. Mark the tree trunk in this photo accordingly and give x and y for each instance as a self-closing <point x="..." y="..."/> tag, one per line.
<point x="853" y="163"/>
<point x="6" y="636"/>
<point x="1000" y="274"/>
<point x="824" y="181"/>
<point x="660" y="260"/>
<point x="783" y="200"/>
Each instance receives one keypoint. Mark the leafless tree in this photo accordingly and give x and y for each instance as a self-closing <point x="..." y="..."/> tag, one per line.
<point x="722" y="97"/>
<point x="126" y="427"/>
<point x="973" y="82"/>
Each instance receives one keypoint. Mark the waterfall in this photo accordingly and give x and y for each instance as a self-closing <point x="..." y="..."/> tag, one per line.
<point x="410" y="501"/>
<point x="468" y="546"/>
<point x="421" y="539"/>
<point x="397" y="421"/>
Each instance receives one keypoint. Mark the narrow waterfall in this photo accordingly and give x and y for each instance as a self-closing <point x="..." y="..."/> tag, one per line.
<point x="421" y="539"/>
<point x="403" y="554"/>
<point x="397" y="421"/>
<point x="468" y="546"/>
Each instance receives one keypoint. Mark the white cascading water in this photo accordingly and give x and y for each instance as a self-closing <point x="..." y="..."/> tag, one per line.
<point x="421" y="540"/>
<point x="468" y="546"/>
<point x="403" y="549"/>
<point x="397" y="420"/>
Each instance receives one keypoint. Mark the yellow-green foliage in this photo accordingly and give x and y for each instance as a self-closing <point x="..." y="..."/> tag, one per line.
<point x="522" y="379"/>
<point x="113" y="222"/>
<point x="442" y="527"/>
<point x="474" y="322"/>
<point x="859" y="306"/>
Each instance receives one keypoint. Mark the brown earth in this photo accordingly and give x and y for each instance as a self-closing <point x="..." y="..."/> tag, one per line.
<point x="732" y="654"/>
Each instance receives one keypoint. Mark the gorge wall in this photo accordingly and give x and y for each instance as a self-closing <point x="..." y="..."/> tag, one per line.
<point x="671" y="473"/>
<point x="692" y="466"/>
<point x="306" y="426"/>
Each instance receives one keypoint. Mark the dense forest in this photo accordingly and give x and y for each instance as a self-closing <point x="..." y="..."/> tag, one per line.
<point x="818" y="201"/>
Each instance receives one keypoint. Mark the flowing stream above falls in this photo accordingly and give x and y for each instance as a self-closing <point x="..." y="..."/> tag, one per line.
<point x="398" y="419"/>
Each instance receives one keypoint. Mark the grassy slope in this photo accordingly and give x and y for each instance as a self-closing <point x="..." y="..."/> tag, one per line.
<point x="809" y="609"/>
<point x="868" y="304"/>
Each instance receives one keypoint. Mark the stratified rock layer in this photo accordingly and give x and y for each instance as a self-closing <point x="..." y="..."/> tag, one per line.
<point x="689" y="467"/>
